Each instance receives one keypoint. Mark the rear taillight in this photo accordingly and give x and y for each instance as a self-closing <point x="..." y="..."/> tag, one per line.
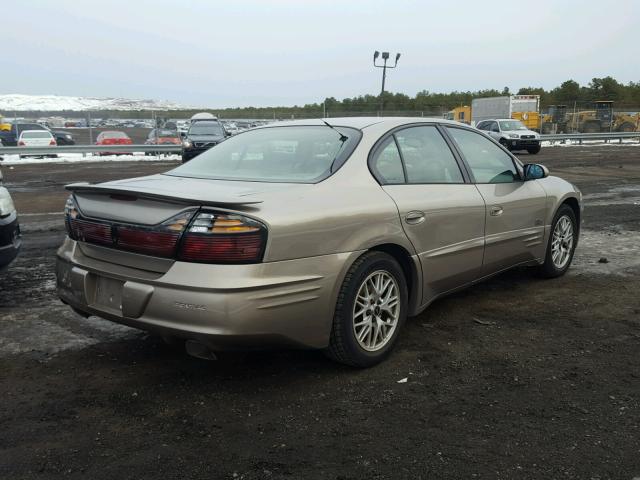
<point x="223" y="238"/>
<point x="159" y="240"/>
<point x="210" y="237"/>
<point x="52" y="142"/>
<point x="21" y="143"/>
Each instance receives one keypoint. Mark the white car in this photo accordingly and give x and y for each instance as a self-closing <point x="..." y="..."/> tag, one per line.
<point x="36" y="138"/>
<point x="512" y="134"/>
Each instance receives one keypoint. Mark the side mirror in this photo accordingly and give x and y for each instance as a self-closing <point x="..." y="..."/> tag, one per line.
<point x="535" y="171"/>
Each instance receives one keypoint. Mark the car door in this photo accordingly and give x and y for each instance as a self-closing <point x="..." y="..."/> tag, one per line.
<point x="516" y="209"/>
<point x="494" y="130"/>
<point x="442" y="213"/>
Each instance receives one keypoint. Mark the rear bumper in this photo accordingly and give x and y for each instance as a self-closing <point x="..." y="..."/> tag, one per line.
<point x="289" y="303"/>
<point x="10" y="242"/>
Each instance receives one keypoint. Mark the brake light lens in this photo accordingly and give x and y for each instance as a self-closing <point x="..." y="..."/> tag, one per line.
<point x="52" y="142"/>
<point x="21" y="143"/>
<point x="223" y="238"/>
<point x="210" y="237"/>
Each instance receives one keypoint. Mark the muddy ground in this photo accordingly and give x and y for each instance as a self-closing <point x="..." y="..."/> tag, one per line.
<point x="515" y="378"/>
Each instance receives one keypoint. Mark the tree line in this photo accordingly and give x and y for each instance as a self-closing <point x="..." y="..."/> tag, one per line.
<point x="570" y="93"/>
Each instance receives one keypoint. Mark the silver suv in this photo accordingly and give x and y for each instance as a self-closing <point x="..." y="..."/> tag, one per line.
<point x="512" y="134"/>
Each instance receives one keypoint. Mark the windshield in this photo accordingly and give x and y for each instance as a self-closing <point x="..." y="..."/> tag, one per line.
<point x="512" y="125"/>
<point x="300" y="154"/>
<point x="206" y="128"/>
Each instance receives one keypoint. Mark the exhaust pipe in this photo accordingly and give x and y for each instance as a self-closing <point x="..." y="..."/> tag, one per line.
<point x="199" y="350"/>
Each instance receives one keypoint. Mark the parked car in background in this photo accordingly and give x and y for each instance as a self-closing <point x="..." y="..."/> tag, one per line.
<point x="205" y="131"/>
<point x="63" y="138"/>
<point x="9" y="228"/>
<point x="37" y="138"/>
<point x="9" y="138"/>
<point x="312" y="235"/>
<point x="162" y="136"/>
<point x="231" y="128"/>
<point x="512" y="134"/>
<point x="113" y="137"/>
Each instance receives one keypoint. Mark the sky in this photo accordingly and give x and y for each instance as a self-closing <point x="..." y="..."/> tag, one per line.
<point x="283" y="52"/>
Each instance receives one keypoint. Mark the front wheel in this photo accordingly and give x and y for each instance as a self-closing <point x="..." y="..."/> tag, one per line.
<point x="562" y="243"/>
<point x="534" y="150"/>
<point x="371" y="309"/>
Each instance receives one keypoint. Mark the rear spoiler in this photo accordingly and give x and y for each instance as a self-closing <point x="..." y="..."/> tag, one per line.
<point x="141" y="192"/>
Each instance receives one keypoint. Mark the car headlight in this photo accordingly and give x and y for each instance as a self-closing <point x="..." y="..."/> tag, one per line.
<point x="67" y="136"/>
<point x="186" y="144"/>
<point x="6" y="203"/>
<point x="514" y="135"/>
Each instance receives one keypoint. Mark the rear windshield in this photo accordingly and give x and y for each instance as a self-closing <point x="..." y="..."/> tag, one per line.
<point x="114" y="135"/>
<point x="38" y="134"/>
<point x="167" y="133"/>
<point x="300" y="154"/>
<point x="202" y="127"/>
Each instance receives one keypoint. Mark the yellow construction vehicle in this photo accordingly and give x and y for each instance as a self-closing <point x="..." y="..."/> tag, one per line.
<point x="555" y="120"/>
<point x="460" y="114"/>
<point x="531" y="120"/>
<point x="4" y="125"/>
<point x="602" y="119"/>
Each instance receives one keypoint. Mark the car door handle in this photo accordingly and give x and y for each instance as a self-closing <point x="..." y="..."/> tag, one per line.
<point x="415" y="217"/>
<point x="496" y="210"/>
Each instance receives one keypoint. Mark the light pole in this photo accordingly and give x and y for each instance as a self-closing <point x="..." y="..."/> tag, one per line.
<point x="384" y="66"/>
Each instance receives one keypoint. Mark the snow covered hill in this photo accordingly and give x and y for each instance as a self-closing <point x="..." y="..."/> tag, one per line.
<point x="21" y="103"/>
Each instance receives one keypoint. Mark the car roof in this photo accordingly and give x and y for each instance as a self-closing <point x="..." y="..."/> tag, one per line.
<point x="362" y="122"/>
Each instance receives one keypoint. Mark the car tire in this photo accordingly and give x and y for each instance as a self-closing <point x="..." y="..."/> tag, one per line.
<point x="344" y="345"/>
<point x="551" y="268"/>
<point x="534" y="150"/>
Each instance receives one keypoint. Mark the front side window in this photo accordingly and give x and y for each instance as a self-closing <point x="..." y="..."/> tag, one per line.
<point x="300" y="154"/>
<point x="427" y="157"/>
<point x="488" y="162"/>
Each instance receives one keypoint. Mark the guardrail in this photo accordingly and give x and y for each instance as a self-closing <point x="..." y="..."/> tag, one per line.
<point x="119" y="149"/>
<point x="580" y="137"/>
<point x="90" y="149"/>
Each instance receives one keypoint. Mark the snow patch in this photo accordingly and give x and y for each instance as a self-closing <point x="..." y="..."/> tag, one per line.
<point x="21" y="103"/>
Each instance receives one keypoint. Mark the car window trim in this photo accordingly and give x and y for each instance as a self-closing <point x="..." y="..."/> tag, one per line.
<point x="514" y="159"/>
<point x="377" y="145"/>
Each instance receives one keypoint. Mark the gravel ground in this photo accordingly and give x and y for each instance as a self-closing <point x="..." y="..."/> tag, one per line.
<point x="514" y="378"/>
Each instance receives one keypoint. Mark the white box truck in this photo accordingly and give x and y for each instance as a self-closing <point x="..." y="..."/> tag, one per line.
<point x="502" y="107"/>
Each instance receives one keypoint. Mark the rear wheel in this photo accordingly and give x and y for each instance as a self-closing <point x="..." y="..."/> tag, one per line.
<point x="627" y="127"/>
<point x="562" y="243"/>
<point x="371" y="309"/>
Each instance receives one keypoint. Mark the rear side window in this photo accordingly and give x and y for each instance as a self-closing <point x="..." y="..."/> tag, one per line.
<point x="488" y="162"/>
<point x="427" y="157"/>
<point x="387" y="164"/>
